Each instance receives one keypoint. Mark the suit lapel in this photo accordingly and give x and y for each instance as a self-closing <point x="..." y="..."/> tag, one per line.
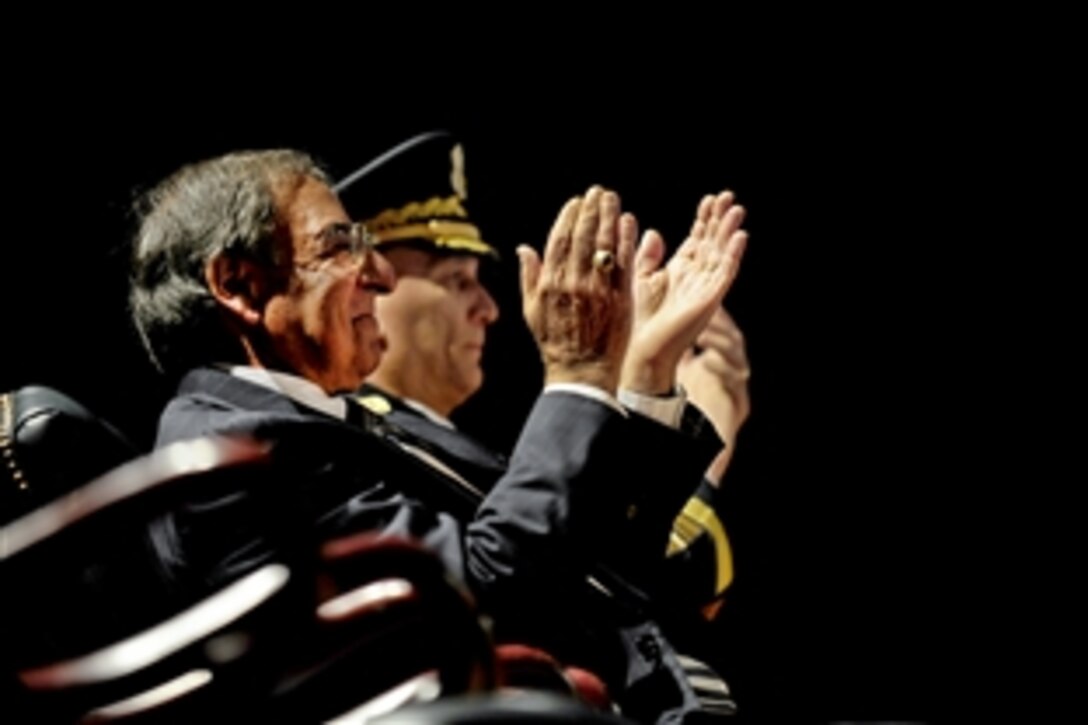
<point x="453" y="442"/>
<point x="468" y="457"/>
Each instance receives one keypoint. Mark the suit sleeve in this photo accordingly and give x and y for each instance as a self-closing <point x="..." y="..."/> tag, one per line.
<point x="559" y="503"/>
<point x="530" y="536"/>
<point x="673" y="544"/>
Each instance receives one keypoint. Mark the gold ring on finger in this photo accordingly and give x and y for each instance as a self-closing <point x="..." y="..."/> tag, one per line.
<point x="604" y="260"/>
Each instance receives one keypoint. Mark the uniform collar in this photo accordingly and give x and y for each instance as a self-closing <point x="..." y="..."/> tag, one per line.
<point x="294" y="387"/>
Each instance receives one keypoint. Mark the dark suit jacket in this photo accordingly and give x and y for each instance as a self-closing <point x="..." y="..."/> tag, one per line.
<point x="525" y="549"/>
<point x="665" y="460"/>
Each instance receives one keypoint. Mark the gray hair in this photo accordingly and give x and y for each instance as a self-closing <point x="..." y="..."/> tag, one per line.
<point x="223" y="206"/>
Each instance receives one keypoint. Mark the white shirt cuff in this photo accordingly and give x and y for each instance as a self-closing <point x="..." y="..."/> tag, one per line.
<point x="667" y="410"/>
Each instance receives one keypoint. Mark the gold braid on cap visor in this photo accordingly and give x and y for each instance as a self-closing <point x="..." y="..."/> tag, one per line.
<point x="415" y="221"/>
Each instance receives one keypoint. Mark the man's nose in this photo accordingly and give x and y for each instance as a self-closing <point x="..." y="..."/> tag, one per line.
<point x="489" y="309"/>
<point x="377" y="273"/>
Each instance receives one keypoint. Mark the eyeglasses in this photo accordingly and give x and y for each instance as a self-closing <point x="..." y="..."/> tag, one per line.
<point x="344" y="244"/>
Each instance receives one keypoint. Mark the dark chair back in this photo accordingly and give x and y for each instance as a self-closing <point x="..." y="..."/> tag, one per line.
<point x="50" y="445"/>
<point x="93" y="631"/>
<point x="87" y="620"/>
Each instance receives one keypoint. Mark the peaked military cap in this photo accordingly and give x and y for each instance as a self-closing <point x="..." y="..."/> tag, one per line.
<point x="414" y="194"/>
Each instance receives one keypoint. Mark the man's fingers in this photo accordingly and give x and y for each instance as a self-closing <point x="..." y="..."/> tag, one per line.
<point x="609" y="219"/>
<point x="557" y="248"/>
<point x="718" y="208"/>
<point x="721" y="323"/>
<point x="722" y="202"/>
<point x="734" y="252"/>
<point x="702" y="212"/>
<point x="651" y="252"/>
<point x="722" y="320"/>
<point x="720" y="267"/>
<point x="724" y="344"/>
<point x="721" y="365"/>
<point x="709" y="222"/>
<point x="529" y="268"/>
<point x="584" y="239"/>
<point x="729" y="224"/>
<point x="714" y="340"/>
<point x="625" y="252"/>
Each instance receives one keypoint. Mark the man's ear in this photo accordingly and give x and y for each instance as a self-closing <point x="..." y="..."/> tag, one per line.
<point x="236" y="285"/>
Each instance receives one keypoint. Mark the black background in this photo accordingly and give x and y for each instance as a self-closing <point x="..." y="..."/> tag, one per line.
<point x="845" y="599"/>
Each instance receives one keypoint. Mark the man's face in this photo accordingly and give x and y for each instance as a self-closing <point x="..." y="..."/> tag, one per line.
<point x="321" y="324"/>
<point x="436" y="324"/>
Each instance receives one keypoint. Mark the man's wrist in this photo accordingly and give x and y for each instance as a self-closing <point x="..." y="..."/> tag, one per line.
<point x="595" y="374"/>
<point x="646" y="378"/>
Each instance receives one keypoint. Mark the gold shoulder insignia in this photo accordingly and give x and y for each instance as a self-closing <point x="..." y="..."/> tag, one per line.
<point x="375" y="404"/>
<point x="698" y="519"/>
